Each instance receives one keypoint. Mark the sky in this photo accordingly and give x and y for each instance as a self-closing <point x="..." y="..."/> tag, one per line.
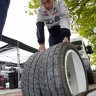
<point x="22" y="27"/>
<point x="19" y="25"/>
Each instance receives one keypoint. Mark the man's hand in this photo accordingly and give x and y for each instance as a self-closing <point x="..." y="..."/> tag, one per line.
<point x="66" y="40"/>
<point x="42" y="48"/>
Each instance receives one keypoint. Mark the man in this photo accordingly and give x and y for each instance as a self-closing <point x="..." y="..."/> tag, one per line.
<point x="56" y="16"/>
<point x="4" y="5"/>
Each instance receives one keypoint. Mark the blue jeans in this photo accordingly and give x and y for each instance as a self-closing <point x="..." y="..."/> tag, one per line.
<point x="55" y="40"/>
<point x="4" y="5"/>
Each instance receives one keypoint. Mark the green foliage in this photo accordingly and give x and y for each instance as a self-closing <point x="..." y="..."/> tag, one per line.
<point x="32" y="7"/>
<point x="83" y="18"/>
<point x="93" y="61"/>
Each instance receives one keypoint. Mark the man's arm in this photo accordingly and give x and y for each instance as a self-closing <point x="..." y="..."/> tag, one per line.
<point x="40" y="30"/>
<point x="40" y="36"/>
<point x="64" y="20"/>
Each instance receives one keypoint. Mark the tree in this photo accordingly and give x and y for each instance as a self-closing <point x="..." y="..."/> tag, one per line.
<point x="83" y="18"/>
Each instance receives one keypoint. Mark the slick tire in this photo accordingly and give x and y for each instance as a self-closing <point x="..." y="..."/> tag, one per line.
<point x="29" y="77"/>
<point x="61" y="71"/>
<point x="88" y="71"/>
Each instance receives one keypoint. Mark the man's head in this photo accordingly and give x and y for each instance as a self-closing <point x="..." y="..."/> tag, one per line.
<point x="47" y="4"/>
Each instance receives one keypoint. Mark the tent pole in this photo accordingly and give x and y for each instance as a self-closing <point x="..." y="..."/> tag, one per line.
<point x="18" y="63"/>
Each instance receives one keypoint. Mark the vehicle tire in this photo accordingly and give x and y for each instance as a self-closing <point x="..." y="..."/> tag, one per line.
<point x="88" y="71"/>
<point x="91" y="92"/>
<point x="29" y="77"/>
<point x="61" y="71"/>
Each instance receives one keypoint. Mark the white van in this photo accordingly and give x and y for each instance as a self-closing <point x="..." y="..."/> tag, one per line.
<point x="84" y="51"/>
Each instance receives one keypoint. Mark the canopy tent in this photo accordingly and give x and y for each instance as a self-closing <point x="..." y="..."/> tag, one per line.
<point x="12" y="45"/>
<point x="16" y="43"/>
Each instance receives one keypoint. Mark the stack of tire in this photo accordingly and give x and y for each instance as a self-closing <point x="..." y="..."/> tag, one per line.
<point x="58" y="71"/>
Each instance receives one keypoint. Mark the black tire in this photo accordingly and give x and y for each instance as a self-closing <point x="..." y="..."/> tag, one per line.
<point x="53" y="73"/>
<point x="29" y="78"/>
<point x="91" y="92"/>
<point x="88" y="71"/>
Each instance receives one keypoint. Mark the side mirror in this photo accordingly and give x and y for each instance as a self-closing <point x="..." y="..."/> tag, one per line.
<point x="89" y="49"/>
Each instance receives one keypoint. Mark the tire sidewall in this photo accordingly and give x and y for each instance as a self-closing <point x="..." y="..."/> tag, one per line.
<point x="65" y="48"/>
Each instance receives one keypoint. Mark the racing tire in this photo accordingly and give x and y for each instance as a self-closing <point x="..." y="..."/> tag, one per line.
<point x="29" y="78"/>
<point x="91" y="92"/>
<point x="61" y="71"/>
<point x="88" y="71"/>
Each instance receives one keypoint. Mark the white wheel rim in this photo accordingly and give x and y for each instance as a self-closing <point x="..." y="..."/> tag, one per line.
<point x="73" y="67"/>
